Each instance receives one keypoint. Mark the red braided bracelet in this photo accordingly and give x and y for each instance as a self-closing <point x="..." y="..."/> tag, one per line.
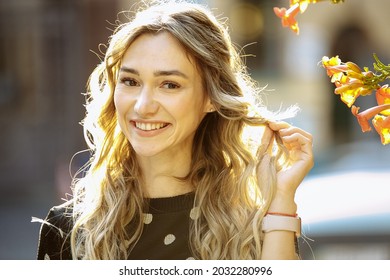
<point x="282" y="214"/>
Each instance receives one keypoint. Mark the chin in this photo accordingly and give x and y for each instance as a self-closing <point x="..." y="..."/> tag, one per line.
<point x="145" y="151"/>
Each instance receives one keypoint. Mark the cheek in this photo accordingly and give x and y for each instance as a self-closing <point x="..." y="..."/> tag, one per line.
<point x="121" y="104"/>
<point x="190" y="111"/>
<point x="117" y="102"/>
<point x="121" y="108"/>
<point x="183" y="110"/>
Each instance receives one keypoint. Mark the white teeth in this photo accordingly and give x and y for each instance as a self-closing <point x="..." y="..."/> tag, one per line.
<point x="149" y="126"/>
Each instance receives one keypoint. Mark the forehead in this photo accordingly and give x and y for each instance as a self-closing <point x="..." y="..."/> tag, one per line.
<point x="158" y="50"/>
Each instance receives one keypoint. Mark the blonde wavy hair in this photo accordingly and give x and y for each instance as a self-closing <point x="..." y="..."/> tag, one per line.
<point x="233" y="173"/>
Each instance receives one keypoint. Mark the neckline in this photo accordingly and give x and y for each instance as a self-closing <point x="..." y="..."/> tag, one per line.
<point x="171" y="204"/>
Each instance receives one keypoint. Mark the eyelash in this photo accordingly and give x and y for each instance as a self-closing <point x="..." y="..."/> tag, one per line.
<point x="169" y="84"/>
<point x="126" y="81"/>
<point x="132" y="82"/>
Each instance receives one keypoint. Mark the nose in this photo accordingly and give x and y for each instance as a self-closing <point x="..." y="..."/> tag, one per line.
<point x="146" y="105"/>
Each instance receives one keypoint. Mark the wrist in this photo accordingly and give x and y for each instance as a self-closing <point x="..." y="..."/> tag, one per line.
<point x="283" y="203"/>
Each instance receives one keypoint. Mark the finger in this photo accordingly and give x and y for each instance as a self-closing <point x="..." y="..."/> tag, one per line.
<point x="300" y="142"/>
<point x="297" y="138"/>
<point x="276" y="126"/>
<point x="266" y="140"/>
<point x="295" y="130"/>
<point x="294" y="138"/>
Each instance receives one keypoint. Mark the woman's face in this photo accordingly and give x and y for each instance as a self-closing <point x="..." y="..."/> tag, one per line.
<point x="159" y="96"/>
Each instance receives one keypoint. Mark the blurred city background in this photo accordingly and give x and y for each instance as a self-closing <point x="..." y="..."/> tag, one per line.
<point x="47" y="51"/>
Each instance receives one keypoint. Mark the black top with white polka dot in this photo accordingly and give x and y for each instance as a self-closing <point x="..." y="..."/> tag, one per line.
<point x="166" y="229"/>
<point x="165" y="234"/>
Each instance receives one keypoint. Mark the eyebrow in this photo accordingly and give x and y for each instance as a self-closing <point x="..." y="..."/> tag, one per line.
<point x="156" y="73"/>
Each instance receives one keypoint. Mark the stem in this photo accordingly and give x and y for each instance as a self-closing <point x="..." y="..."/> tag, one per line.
<point x="379" y="65"/>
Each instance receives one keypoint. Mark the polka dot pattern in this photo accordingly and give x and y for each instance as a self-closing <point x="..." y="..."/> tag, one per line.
<point x="169" y="239"/>
<point x="148" y="218"/>
<point x="165" y="233"/>
<point x="194" y="213"/>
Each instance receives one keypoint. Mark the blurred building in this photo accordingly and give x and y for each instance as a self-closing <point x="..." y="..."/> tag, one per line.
<point x="45" y="61"/>
<point x="47" y="51"/>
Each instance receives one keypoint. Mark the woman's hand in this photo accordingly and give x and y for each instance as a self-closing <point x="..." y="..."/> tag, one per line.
<point x="280" y="244"/>
<point x="299" y="143"/>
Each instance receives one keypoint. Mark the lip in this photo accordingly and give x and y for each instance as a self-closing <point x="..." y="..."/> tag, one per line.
<point x="149" y="133"/>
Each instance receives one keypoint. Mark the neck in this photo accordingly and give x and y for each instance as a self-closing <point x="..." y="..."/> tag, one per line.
<point x="160" y="174"/>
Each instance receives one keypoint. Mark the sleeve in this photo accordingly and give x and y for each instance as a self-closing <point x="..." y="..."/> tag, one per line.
<point x="54" y="241"/>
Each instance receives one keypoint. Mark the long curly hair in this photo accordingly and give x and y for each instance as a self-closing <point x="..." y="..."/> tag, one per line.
<point x="232" y="171"/>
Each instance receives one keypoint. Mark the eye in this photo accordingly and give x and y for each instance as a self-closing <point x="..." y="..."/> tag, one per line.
<point x="129" y="82"/>
<point x="170" y="85"/>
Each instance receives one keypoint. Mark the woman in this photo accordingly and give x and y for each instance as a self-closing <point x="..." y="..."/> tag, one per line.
<point x="184" y="163"/>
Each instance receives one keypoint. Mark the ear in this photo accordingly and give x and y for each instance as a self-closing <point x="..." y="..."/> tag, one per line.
<point x="208" y="107"/>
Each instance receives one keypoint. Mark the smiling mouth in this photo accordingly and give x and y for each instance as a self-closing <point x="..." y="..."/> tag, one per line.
<point x="150" y="126"/>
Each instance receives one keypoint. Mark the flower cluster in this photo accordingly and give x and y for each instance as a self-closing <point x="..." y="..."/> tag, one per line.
<point x="296" y="6"/>
<point x="351" y="82"/>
